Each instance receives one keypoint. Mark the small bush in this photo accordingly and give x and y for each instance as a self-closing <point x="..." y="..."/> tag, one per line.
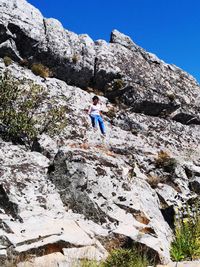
<point x="17" y="106"/>
<point x="88" y="263"/>
<point x="55" y="121"/>
<point x="7" y="61"/>
<point x="166" y="162"/>
<point x="121" y="258"/>
<point x="19" y="118"/>
<point x="186" y="244"/>
<point x="40" y="70"/>
<point x="118" y="84"/>
<point x="126" y="258"/>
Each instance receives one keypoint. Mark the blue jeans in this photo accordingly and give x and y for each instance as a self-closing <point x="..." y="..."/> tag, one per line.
<point x="98" y="119"/>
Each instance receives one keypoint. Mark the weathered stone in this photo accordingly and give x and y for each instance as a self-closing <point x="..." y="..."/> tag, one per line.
<point x="53" y="260"/>
<point x="79" y="61"/>
<point x="186" y="119"/>
<point x="124" y="40"/>
<point x="89" y="170"/>
<point x="195" y="185"/>
<point x="9" y="48"/>
<point x="76" y="187"/>
<point x="88" y="252"/>
<point x="182" y="264"/>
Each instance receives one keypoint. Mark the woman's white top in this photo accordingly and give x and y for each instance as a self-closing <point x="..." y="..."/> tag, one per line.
<point x="94" y="109"/>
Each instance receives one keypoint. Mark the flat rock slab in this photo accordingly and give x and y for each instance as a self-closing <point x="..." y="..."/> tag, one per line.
<point x="51" y="260"/>
<point x="87" y="252"/>
<point x="182" y="264"/>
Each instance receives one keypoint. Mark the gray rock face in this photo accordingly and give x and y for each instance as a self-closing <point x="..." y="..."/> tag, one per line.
<point x="119" y="68"/>
<point x="76" y="191"/>
<point x="125" y="204"/>
<point x="106" y="181"/>
<point x="23" y="24"/>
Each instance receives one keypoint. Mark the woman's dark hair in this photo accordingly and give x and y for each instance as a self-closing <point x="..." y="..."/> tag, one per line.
<point x="95" y="98"/>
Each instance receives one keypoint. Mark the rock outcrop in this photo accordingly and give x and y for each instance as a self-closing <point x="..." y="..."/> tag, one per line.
<point x="78" y="193"/>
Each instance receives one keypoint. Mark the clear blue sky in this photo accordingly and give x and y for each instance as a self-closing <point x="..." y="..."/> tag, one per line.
<point x="168" y="28"/>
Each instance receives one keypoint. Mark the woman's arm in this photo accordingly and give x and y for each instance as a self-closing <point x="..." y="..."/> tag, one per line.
<point x="89" y="110"/>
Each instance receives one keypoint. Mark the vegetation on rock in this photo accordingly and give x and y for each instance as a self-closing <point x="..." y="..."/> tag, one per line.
<point x="121" y="258"/>
<point x="186" y="245"/>
<point x="165" y="161"/>
<point x="118" y="84"/>
<point x="55" y="121"/>
<point x="40" y="70"/>
<point x="153" y="180"/>
<point x="7" y="61"/>
<point x="126" y="258"/>
<point x="19" y="101"/>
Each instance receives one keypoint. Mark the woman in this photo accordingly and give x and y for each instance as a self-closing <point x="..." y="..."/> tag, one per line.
<point x="95" y="115"/>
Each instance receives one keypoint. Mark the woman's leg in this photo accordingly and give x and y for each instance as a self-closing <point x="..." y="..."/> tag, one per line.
<point x="101" y="125"/>
<point x="94" y="121"/>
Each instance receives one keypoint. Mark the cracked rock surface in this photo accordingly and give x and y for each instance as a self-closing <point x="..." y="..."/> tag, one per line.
<point x="76" y="194"/>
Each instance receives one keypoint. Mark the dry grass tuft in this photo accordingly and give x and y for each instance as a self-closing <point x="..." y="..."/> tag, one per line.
<point x="153" y="180"/>
<point x="165" y="161"/>
<point x="40" y="70"/>
<point x="7" y="61"/>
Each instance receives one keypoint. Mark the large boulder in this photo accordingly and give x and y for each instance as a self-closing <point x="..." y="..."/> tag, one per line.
<point x="114" y="197"/>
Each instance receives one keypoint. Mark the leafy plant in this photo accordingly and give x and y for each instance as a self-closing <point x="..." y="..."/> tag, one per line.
<point x="89" y="263"/>
<point x="120" y="258"/>
<point x="186" y="245"/>
<point x="126" y="258"/>
<point x="16" y="109"/>
<point x="19" y="103"/>
<point x="56" y="121"/>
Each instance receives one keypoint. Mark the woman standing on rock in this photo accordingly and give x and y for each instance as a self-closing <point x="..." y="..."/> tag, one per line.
<point x="95" y="114"/>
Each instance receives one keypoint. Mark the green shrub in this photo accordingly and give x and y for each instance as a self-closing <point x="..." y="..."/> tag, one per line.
<point x="126" y="258"/>
<point x="7" y="61"/>
<point x="120" y="258"/>
<point x="88" y="263"/>
<point x="118" y="84"/>
<point x="55" y="121"/>
<point x="19" y="118"/>
<point x="40" y="70"/>
<point x="186" y="244"/>
<point x="17" y="106"/>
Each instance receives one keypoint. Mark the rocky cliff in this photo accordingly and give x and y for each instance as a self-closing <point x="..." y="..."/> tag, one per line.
<point x="75" y="192"/>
